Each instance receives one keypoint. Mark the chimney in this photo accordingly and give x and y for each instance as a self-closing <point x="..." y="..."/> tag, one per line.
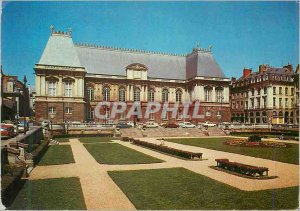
<point x="289" y="67"/>
<point x="246" y="72"/>
<point x="262" y="68"/>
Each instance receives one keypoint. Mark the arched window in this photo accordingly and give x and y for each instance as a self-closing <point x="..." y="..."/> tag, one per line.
<point x="106" y="93"/>
<point x="208" y="94"/>
<point x="274" y="113"/>
<point x="280" y="113"/>
<point x="136" y="94"/>
<point x="90" y="93"/>
<point x="151" y="93"/>
<point x="178" y="95"/>
<point x="165" y="95"/>
<point x="264" y="113"/>
<point x="122" y="95"/>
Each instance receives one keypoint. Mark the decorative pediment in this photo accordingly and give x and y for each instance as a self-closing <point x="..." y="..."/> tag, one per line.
<point x="137" y="66"/>
<point x="52" y="78"/>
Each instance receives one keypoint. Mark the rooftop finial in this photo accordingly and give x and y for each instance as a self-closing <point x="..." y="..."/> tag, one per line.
<point x="52" y="29"/>
<point x="209" y="47"/>
<point x="70" y="31"/>
<point x="197" y="45"/>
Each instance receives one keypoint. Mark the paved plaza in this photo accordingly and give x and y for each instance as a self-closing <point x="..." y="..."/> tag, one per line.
<point x="100" y="192"/>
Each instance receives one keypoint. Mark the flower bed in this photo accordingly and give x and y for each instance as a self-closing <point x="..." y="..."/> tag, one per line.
<point x="241" y="168"/>
<point x="246" y="143"/>
<point x="168" y="150"/>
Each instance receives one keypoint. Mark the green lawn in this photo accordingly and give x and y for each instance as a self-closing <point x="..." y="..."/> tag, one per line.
<point x="50" y="194"/>
<point x="287" y="155"/>
<point x="62" y="139"/>
<point x="96" y="139"/>
<point x="57" y="155"/>
<point x="178" y="188"/>
<point x="112" y="153"/>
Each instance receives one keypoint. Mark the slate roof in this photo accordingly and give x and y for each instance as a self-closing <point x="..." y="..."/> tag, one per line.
<point x="114" y="62"/>
<point x="60" y="50"/>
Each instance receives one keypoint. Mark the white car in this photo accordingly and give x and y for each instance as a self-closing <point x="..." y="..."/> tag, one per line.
<point x="130" y="123"/>
<point x="151" y="124"/>
<point x="209" y="124"/>
<point x="187" y="125"/>
<point x="45" y="123"/>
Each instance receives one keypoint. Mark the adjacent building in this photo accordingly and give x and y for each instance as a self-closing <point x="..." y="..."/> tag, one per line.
<point x="14" y="98"/>
<point x="268" y="96"/>
<point x="71" y="79"/>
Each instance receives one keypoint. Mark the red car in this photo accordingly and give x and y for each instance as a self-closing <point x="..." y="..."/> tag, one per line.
<point x="171" y="125"/>
<point x="7" y="131"/>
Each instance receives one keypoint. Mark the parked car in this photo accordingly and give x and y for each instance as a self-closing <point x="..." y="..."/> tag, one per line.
<point x="7" y="131"/>
<point x="15" y="126"/>
<point x="209" y="124"/>
<point x="123" y="124"/>
<point x="130" y="123"/>
<point x="23" y="126"/>
<point x="180" y="124"/>
<point x="188" y="125"/>
<point x="151" y="125"/>
<point x="171" y="125"/>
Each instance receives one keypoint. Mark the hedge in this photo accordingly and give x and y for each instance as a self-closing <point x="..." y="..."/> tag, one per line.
<point x="165" y="149"/>
<point x="38" y="153"/>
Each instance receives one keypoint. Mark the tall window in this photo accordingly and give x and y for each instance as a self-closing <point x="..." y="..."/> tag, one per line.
<point x="68" y="89"/>
<point x="165" y="95"/>
<point x="252" y="92"/>
<point x="265" y="90"/>
<point x="122" y="95"/>
<point x="274" y="90"/>
<point x="292" y="102"/>
<point x="51" y="88"/>
<point x="280" y="102"/>
<point x="286" y="91"/>
<point x="68" y="110"/>
<point x="208" y="92"/>
<point x="51" y="110"/>
<point x="106" y="94"/>
<point x="286" y="102"/>
<point x="274" y="101"/>
<point x="136" y="94"/>
<point x="178" y="96"/>
<point x="90" y="93"/>
<point x="280" y="90"/>
<point x="90" y="113"/>
<point x="151" y="95"/>
<point x="219" y="96"/>
<point x="292" y="91"/>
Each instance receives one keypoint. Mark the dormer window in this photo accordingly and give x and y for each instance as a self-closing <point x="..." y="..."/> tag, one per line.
<point x="136" y="71"/>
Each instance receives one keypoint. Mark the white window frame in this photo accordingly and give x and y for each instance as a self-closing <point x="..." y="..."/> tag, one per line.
<point x="106" y="94"/>
<point x="165" y="95"/>
<point x="51" y="88"/>
<point x="51" y="110"/>
<point x="122" y="95"/>
<point x="151" y="95"/>
<point x="137" y="95"/>
<point x="68" y="89"/>
<point x="90" y="93"/>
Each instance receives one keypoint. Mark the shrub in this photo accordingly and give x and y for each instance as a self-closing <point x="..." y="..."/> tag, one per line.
<point x="38" y="153"/>
<point x="165" y="149"/>
<point x="254" y="138"/>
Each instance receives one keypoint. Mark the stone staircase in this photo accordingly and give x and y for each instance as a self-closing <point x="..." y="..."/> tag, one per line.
<point x="131" y="132"/>
<point x="214" y="131"/>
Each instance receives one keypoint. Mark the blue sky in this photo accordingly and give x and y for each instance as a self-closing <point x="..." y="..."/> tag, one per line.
<point x="243" y="34"/>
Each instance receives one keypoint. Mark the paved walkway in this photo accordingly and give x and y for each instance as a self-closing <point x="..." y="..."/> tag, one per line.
<point x="100" y="192"/>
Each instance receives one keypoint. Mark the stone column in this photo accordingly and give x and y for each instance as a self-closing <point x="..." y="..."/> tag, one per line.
<point x="38" y="84"/>
<point x="75" y="87"/>
<point x="43" y="85"/>
<point x="127" y="93"/>
<point x="146" y="94"/>
<point x="214" y="95"/>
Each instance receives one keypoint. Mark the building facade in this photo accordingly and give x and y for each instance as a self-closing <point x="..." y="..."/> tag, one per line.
<point x="14" y="98"/>
<point x="71" y="79"/>
<point x="268" y="96"/>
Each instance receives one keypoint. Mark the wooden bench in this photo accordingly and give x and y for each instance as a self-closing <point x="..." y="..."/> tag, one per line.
<point x="196" y="155"/>
<point x="241" y="168"/>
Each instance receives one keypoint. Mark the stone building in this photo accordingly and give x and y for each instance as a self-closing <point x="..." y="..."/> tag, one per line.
<point x="71" y="79"/>
<point x="267" y="96"/>
<point x="14" y="97"/>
